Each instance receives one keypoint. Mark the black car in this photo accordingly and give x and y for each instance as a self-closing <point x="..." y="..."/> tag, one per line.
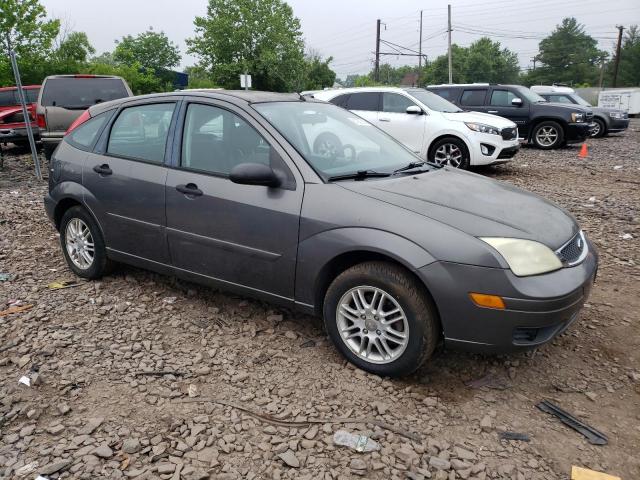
<point x="606" y="120"/>
<point x="547" y="125"/>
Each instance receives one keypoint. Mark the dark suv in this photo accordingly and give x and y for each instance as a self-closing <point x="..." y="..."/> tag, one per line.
<point x="547" y="125"/>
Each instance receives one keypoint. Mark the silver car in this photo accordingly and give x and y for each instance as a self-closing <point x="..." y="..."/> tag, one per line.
<point x="224" y="188"/>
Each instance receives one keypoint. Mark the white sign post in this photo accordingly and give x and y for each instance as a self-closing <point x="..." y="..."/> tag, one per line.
<point x="245" y="81"/>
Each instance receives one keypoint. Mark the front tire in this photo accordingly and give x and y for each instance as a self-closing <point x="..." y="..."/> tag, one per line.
<point x="548" y="135"/>
<point x="82" y="244"/>
<point x="450" y="151"/>
<point x="381" y="319"/>
<point x="600" y="130"/>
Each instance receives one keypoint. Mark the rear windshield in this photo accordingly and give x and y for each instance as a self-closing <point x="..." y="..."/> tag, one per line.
<point x="10" y="97"/>
<point x="81" y="93"/>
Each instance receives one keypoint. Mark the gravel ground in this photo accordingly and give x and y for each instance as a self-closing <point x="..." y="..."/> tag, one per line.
<point x="145" y="376"/>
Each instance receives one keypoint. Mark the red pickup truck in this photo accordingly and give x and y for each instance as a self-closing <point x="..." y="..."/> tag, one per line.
<point x="13" y="128"/>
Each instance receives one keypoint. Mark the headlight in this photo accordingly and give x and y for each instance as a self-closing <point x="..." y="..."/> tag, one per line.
<point x="482" y="128"/>
<point x="618" y="115"/>
<point x="525" y="257"/>
<point x="577" y="117"/>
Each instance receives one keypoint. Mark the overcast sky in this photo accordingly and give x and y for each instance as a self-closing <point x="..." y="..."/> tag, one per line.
<point x="345" y="29"/>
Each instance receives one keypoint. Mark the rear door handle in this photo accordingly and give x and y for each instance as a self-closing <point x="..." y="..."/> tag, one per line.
<point x="493" y="111"/>
<point x="189" y="189"/>
<point x="103" y="169"/>
<point x="384" y="119"/>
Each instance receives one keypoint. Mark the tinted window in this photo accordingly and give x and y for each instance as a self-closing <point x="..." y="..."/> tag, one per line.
<point x="395" y="103"/>
<point x="502" y="98"/>
<point x="363" y="101"/>
<point x="433" y="101"/>
<point x="216" y="140"/>
<point x="473" y="97"/>
<point x="444" y="93"/>
<point x="32" y="95"/>
<point x="83" y="136"/>
<point x="340" y="100"/>
<point x="558" y="98"/>
<point x="141" y="132"/>
<point x="8" y="98"/>
<point x="81" y="92"/>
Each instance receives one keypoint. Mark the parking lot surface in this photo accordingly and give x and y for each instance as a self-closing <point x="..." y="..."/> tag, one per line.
<point x="145" y="376"/>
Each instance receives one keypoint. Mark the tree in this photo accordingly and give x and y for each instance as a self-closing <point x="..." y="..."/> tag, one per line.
<point x="629" y="69"/>
<point x="317" y="73"/>
<point x="568" y="55"/>
<point x="261" y="37"/>
<point x="438" y="70"/>
<point x="150" y="49"/>
<point x="487" y="62"/>
<point x="72" y="54"/>
<point x="31" y="35"/>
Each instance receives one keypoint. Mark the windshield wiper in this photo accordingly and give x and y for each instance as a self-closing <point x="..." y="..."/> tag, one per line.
<point x="410" y="166"/>
<point x="359" y="175"/>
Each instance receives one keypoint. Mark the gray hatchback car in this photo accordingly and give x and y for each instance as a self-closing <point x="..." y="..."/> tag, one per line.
<point x="225" y="188"/>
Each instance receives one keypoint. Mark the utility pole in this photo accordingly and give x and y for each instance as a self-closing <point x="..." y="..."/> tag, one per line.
<point x="376" y="70"/>
<point x="617" y="64"/>
<point x="449" y="30"/>
<point x="25" y="112"/>
<point x="601" y="72"/>
<point x="420" y="51"/>
<point x="534" y="60"/>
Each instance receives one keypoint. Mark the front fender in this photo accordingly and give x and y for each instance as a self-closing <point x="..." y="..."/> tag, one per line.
<point x="317" y="251"/>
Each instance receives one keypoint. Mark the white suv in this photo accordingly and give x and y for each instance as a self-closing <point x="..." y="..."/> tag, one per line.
<point x="434" y="128"/>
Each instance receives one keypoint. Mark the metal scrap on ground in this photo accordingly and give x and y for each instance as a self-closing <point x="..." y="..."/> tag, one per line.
<point x="594" y="436"/>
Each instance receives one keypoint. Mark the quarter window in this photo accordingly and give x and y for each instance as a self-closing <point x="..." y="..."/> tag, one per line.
<point x="140" y="132"/>
<point x="367" y="101"/>
<point x="395" y="103"/>
<point x="8" y="98"/>
<point x="340" y="100"/>
<point x="83" y="136"/>
<point x="216" y="140"/>
<point x="502" y="98"/>
<point x="473" y="97"/>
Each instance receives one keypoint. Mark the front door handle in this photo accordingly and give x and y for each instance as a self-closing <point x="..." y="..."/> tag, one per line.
<point x="103" y="169"/>
<point x="493" y="111"/>
<point x="384" y="119"/>
<point x="189" y="189"/>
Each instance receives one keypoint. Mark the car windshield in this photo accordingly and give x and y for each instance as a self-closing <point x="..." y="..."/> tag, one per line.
<point x="529" y="95"/>
<point x="433" y="101"/>
<point x="334" y="141"/>
<point x="580" y="100"/>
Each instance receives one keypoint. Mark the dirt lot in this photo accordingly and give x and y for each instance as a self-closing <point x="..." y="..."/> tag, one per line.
<point x="128" y="368"/>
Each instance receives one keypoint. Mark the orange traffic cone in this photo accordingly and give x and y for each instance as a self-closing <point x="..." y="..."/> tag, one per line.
<point x="584" y="152"/>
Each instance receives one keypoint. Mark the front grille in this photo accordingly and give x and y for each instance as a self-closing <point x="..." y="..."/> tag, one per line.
<point x="523" y="335"/>
<point x="508" y="152"/>
<point x="509" y="133"/>
<point x="574" y="251"/>
<point x="589" y="117"/>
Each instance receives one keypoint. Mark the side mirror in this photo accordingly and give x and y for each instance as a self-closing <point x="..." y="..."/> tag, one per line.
<point x="414" y="110"/>
<point x="516" y="102"/>
<point x="254" y="174"/>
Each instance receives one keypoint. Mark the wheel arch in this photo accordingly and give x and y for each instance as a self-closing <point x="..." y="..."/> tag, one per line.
<point x="537" y="121"/>
<point x="450" y="135"/>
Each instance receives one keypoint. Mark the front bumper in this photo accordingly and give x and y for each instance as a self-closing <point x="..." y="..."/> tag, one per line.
<point x="487" y="149"/>
<point x="618" y="124"/>
<point x="537" y="308"/>
<point x="577" y="132"/>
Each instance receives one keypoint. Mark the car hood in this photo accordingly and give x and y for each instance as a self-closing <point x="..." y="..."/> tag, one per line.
<point x="573" y="107"/>
<point x="479" y="117"/>
<point x="474" y="204"/>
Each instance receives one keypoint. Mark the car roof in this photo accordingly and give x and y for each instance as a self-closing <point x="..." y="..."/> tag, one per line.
<point x="238" y="96"/>
<point x="445" y="85"/>
<point x="82" y="75"/>
<point x="549" y="89"/>
<point x="25" y="87"/>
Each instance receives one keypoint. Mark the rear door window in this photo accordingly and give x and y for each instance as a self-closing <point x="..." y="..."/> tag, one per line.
<point x="140" y="132"/>
<point x="81" y="93"/>
<point x="366" y="101"/>
<point x="446" y="93"/>
<point x="340" y="100"/>
<point x="473" y="97"/>
<point x="8" y="98"/>
<point x="502" y="98"/>
<point x="85" y="135"/>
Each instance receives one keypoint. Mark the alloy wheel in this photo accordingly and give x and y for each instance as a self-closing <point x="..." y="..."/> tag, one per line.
<point x="79" y="243"/>
<point x="596" y="130"/>
<point x="372" y="324"/>
<point x="449" y="154"/>
<point x="547" y="136"/>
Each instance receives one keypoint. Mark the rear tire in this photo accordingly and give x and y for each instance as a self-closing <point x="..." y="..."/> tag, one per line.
<point x="601" y="129"/>
<point x="548" y="135"/>
<point x="82" y="244"/>
<point x="365" y="326"/>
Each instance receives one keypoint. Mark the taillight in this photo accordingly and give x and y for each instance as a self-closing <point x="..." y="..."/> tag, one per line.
<point x="42" y="122"/>
<point x="78" y="121"/>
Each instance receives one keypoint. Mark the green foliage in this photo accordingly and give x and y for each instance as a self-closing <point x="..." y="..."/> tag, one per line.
<point x="568" y="55"/>
<point x="140" y="80"/>
<point x="150" y="49"/>
<point x="629" y="69"/>
<point x="199" y="78"/>
<point x="72" y="54"/>
<point x="317" y="73"/>
<point x="261" y="37"/>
